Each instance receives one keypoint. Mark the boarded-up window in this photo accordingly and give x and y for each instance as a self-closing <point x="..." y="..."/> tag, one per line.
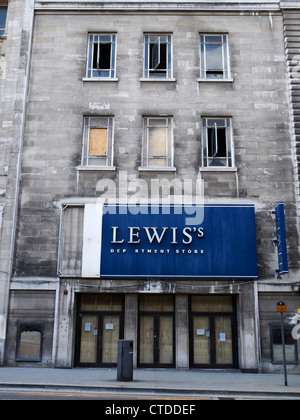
<point x="29" y="342"/>
<point x="97" y="142"/>
<point x="71" y="239"/>
<point x="157" y="142"/>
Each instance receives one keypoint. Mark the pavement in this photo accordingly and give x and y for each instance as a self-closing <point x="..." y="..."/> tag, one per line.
<point x="153" y="382"/>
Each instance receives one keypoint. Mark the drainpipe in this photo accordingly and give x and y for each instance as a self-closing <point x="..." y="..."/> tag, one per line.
<point x="257" y="327"/>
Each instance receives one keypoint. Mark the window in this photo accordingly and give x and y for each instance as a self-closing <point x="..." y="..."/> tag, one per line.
<point x="101" y="56"/>
<point x="108" y="303"/>
<point x="97" y="142"/>
<point x="71" y="241"/>
<point x="29" y="342"/>
<point x="158" y="56"/>
<point x="214" y="57"/>
<point x="276" y="344"/>
<point x="217" y="143"/>
<point x="157" y="142"/>
<point x="3" y="14"/>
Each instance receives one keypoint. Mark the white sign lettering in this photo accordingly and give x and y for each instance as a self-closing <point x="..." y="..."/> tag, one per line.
<point x="156" y="235"/>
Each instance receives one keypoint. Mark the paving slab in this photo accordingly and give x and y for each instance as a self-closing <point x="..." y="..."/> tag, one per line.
<point x="153" y="381"/>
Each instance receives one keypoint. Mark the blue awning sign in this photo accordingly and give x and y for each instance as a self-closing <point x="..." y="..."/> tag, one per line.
<point x="163" y="245"/>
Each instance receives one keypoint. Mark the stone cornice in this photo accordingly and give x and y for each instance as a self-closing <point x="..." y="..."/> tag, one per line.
<point x="165" y="5"/>
<point x="291" y="4"/>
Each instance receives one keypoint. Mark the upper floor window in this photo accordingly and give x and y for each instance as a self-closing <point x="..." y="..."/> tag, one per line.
<point x="214" y="57"/>
<point x="3" y="14"/>
<point x="98" y="142"/>
<point x="101" y="56"/>
<point x="217" y="143"/>
<point x="158" y="142"/>
<point x="158" y="56"/>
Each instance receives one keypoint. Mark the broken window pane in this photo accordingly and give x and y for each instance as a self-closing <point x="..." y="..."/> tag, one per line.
<point x="158" y="54"/>
<point x="158" y="58"/>
<point x="155" y="54"/>
<point x="157" y="149"/>
<point x="101" y="56"/>
<point x="217" y="142"/>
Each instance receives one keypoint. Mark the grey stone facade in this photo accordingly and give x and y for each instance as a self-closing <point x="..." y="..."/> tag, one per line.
<point x="256" y="99"/>
<point x="14" y="71"/>
<point x="291" y="38"/>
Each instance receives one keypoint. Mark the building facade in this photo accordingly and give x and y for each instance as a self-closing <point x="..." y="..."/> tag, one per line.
<point x="16" y="24"/>
<point x="158" y="139"/>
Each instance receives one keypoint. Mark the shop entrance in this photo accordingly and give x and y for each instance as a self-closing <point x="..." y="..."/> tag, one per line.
<point x="213" y="342"/>
<point x="156" y="331"/>
<point x="99" y="327"/>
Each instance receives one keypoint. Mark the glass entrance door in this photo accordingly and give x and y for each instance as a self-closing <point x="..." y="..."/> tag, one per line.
<point x="156" y="331"/>
<point x="99" y="328"/>
<point x="213" y="335"/>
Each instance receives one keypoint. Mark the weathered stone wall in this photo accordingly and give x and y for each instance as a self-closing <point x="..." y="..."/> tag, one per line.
<point x="292" y="45"/>
<point x="14" y="71"/>
<point x="256" y="100"/>
<point x="58" y="99"/>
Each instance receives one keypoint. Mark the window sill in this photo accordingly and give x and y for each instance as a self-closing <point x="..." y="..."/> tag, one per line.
<point x="218" y="169"/>
<point x="100" y="79"/>
<point x="95" y="168"/>
<point x="158" y="79"/>
<point x="230" y="80"/>
<point x="156" y="169"/>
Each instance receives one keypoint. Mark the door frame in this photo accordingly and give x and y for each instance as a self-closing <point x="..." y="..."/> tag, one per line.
<point x="211" y="316"/>
<point x="100" y="315"/>
<point x="156" y="316"/>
